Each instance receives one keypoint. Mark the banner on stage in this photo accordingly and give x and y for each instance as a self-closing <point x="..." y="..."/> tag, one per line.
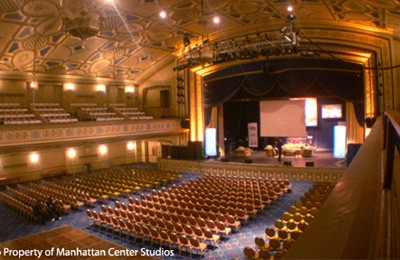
<point x="253" y="134"/>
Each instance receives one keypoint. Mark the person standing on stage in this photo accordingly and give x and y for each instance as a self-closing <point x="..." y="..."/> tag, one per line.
<point x="278" y="145"/>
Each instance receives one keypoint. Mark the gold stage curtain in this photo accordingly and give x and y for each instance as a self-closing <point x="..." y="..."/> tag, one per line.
<point x="355" y="132"/>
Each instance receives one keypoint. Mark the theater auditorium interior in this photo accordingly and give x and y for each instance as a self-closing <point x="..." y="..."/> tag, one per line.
<point x="206" y="129"/>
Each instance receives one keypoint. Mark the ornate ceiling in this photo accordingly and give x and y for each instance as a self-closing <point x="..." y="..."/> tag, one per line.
<point x="134" y="38"/>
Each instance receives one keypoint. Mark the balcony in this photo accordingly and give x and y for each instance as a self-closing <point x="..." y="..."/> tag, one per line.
<point x="37" y="134"/>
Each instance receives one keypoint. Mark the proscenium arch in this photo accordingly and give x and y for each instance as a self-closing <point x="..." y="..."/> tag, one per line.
<point x="371" y="49"/>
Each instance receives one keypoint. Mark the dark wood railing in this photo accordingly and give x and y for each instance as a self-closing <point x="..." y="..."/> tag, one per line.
<point x="385" y="242"/>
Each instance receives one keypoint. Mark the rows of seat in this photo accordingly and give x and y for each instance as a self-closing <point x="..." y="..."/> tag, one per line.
<point x="189" y="211"/>
<point x="31" y="197"/>
<point x="131" y="112"/>
<point x="119" y="181"/>
<point x="172" y="221"/>
<point x="53" y="113"/>
<point x="293" y="222"/>
<point x="220" y="223"/>
<point x="18" y="206"/>
<point x="64" y="201"/>
<point x="86" y="189"/>
<point x="150" y="233"/>
<point x="72" y="191"/>
<point x="96" y="113"/>
<point x="13" y="114"/>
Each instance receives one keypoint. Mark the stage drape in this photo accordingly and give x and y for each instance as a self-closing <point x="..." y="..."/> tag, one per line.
<point x="344" y="85"/>
<point x="216" y="94"/>
<point x="292" y="83"/>
<point x="355" y="132"/>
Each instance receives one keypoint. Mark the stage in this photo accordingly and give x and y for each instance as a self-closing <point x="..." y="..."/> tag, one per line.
<point x="325" y="168"/>
<point x="320" y="159"/>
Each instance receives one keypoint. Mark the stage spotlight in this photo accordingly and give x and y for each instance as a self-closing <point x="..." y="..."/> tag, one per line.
<point x="309" y="164"/>
<point x="186" y="39"/>
<point x="287" y="163"/>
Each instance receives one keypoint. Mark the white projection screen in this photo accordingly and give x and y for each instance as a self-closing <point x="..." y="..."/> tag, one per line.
<point x="282" y="118"/>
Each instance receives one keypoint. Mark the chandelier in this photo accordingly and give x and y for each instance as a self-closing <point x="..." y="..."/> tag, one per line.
<point x="83" y="27"/>
<point x="250" y="46"/>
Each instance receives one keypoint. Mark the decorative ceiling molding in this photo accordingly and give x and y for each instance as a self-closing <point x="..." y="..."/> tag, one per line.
<point x="140" y="32"/>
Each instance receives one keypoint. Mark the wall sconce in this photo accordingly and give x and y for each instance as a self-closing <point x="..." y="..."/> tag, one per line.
<point x="34" y="158"/>
<point x="69" y="86"/>
<point x="71" y="153"/>
<point x="33" y="84"/>
<point x="131" y="146"/>
<point x="103" y="149"/>
<point x="101" y="88"/>
<point x="129" y="89"/>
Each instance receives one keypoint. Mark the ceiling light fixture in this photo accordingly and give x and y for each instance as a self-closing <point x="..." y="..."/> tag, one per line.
<point x="86" y="25"/>
<point x="163" y="14"/>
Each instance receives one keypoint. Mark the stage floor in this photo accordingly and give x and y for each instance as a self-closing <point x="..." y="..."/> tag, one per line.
<point x="321" y="159"/>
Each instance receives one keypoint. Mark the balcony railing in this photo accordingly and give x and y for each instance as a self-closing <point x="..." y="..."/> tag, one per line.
<point x="11" y="136"/>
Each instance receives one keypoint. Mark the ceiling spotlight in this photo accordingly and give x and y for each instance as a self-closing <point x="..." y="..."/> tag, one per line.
<point x="216" y="20"/>
<point x="186" y="40"/>
<point x="290" y="8"/>
<point x="163" y="14"/>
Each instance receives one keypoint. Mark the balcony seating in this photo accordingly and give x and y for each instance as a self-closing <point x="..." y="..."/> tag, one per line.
<point x="14" y="114"/>
<point x="132" y="113"/>
<point x="53" y="113"/>
<point x="93" y="112"/>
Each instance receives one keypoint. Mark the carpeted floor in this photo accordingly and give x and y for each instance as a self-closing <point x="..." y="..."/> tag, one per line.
<point x="13" y="226"/>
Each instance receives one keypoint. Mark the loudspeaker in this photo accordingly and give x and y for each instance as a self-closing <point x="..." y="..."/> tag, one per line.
<point x="309" y="164"/>
<point x="352" y="150"/>
<point x="185" y="123"/>
<point x="287" y="163"/>
<point x="165" y="151"/>
<point x="197" y="148"/>
<point x="248" y="161"/>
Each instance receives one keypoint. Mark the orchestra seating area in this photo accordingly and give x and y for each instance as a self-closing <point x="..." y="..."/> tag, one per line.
<point x="84" y="190"/>
<point x="279" y="238"/>
<point x="14" y="114"/>
<point x="192" y="216"/>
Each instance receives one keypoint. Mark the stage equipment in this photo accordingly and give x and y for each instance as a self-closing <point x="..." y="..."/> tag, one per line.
<point x="309" y="164"/>
<point x="250" y="46"/>
<point x="287" y="163"/>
